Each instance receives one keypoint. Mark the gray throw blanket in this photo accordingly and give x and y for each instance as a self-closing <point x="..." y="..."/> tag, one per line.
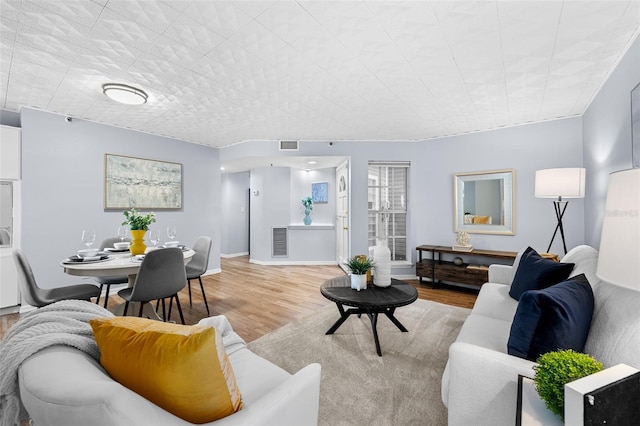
<point x="61" y="323"/>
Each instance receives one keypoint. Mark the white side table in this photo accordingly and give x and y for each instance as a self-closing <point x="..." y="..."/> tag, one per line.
<point x="531" y="410"/>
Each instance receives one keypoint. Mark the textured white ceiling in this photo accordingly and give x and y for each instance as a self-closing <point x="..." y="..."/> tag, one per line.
<point x="220" y="72"/>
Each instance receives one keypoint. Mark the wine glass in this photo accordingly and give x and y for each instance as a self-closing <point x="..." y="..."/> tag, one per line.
<point x="171" y="232"/>
<point x="154" y="237"/>
<point x="122" y="233"/>
<point x="88" y="237"/>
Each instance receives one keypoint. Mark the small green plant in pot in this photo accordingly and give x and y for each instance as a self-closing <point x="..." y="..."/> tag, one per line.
<point x="137" y="221"/>
<point x="359" y="265"/>
<point x="557" y="368"/>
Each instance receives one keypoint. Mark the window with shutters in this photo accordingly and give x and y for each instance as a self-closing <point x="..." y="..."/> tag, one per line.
<point x="387" y="198"/>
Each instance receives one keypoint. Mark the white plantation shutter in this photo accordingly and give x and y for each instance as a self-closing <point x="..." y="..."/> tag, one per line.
<point x="387" y="205"/>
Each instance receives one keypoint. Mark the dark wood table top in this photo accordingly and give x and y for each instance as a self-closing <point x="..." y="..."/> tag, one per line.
<point x="399" y="293"/>
<point x="499" y="254"/>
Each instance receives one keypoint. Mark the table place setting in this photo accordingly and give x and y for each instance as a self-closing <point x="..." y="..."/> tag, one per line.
<point x="121" y="247"/>
<point x="88" y="256"/>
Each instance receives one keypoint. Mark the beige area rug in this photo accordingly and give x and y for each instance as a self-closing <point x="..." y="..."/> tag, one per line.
<point x="360" y="388"/>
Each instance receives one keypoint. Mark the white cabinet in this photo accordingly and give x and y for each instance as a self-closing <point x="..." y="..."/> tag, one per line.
<point x="10" y="174"/>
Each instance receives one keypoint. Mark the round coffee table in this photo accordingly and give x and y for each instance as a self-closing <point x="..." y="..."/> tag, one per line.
<point x="372" y="301"/>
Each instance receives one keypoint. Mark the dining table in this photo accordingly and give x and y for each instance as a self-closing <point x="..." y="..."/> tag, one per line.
<point x="116" y="264"/>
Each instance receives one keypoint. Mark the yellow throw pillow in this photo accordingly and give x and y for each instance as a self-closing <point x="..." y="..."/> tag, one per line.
<point x="181" y="368"/>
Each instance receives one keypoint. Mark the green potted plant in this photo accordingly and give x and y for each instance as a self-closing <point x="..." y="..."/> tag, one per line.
<point x="359" y="265"/>
<point x="557" y="368"/>
<point x="139" y="225"/>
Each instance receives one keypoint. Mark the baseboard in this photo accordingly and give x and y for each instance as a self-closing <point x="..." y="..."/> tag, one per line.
<point x="9" y="310"/>
<point x="293" y="262"/>
<point x="228" y="256"/>
<point x="212" y="271"/>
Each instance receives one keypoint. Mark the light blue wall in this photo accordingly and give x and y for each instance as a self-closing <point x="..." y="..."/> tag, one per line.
<point x="270" y="203"/>
<point x="9" y="118"/>
<point x="607" y="138"/>
<point x="235" y="214"/>
<point x="301" y="180"/>
<point x="63" y="188"/>
<point x="524" y="148"/>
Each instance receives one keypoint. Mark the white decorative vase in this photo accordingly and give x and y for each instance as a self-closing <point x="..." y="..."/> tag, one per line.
<point x="359" y="282"/>
<point x="382" y="264"/>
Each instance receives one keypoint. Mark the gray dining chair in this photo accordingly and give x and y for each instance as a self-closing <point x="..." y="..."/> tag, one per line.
<point x="161" y="275"/>
<point x="109" y="281"/>
<point x="198" y="266"/>
<point x="39" y="297"/>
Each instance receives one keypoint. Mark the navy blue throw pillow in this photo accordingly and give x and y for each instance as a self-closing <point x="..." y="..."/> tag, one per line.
<point x="557" y="317"/>
<point x="535" y="273"/>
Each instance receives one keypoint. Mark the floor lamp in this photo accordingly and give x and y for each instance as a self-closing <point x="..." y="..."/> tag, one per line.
<point x="620" y="240"/>
<point x="559" y="184"/>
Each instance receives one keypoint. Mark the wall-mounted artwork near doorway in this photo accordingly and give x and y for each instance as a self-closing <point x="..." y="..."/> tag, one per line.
<point x="320" y="192"/>
<point x="141" y="183"/>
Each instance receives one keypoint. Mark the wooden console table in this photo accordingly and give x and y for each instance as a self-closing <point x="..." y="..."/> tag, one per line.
<point x="440" y="270"/>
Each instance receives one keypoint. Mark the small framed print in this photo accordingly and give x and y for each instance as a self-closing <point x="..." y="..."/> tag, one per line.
<point x="320" y="192"/>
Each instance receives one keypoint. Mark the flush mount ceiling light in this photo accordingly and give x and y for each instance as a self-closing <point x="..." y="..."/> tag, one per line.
<point x="125" y="94"/>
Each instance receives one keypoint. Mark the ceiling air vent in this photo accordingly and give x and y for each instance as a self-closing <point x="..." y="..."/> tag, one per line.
<point x="279" y="242"/>
<point x="288" y="145"/>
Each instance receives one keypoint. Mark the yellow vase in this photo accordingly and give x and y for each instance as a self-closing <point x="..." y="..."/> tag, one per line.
<point x="137" y="242"/>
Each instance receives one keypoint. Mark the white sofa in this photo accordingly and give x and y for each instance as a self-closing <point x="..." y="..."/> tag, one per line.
<point x="61" y="385"/>
<point x="479" y="384"/>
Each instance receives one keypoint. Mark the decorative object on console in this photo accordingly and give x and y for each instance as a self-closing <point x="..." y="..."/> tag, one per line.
<point x="557" y="368"/>
<point x="619" y="243"/>
<point x="462" y="242"/>
<point x="382" y="261"/>
<point x="359" y="265"/>
<point x="308" y="206"/>
<point x="559" y="183"/>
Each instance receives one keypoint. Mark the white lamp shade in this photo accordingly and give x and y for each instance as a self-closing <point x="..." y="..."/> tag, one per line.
<point x="565" y="183"/>
<point x="619" y="260"/>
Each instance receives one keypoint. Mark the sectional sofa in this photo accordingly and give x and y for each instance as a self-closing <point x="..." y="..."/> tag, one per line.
<point x="479" y="384"/>
<point x="61" y="385"/>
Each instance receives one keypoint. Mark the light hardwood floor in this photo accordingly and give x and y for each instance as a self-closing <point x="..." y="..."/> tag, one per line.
<point x="259" y="299"/>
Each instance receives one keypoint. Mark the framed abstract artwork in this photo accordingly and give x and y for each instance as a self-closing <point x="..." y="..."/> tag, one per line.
<point x="320" y="192"/>
<point x="141" y="183"/>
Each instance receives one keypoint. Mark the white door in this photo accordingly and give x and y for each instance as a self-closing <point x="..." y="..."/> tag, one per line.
<point x="342" y="217"/>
